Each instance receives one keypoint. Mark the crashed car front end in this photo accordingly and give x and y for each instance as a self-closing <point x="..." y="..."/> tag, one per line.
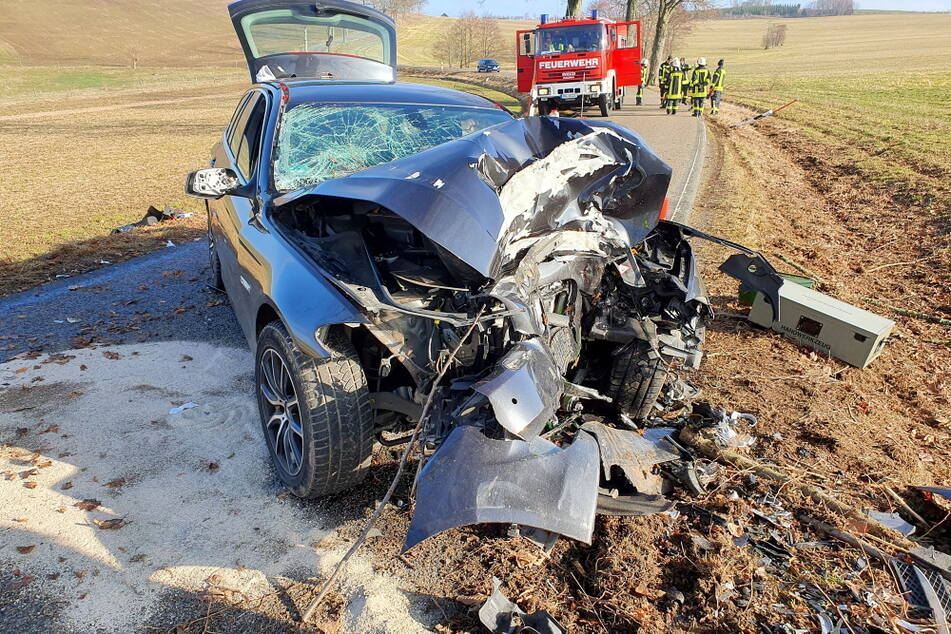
<point x="526" y="263"/>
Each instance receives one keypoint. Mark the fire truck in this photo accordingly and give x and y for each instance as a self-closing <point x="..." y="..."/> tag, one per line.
<point x="579" y="62"/>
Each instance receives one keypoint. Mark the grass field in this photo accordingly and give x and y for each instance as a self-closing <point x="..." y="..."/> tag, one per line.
<point x="876" y="85"/>
<point x="84" y="150"/>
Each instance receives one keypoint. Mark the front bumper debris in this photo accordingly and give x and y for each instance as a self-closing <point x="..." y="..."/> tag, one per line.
<point x="473" y="479"/>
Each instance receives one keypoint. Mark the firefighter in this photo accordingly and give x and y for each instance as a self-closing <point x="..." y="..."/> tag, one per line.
<point x="716" y="88"/>
<point x="685" y="67"/>
<point x="663" y="74"/>
<point x="639" y="95"/>
<point x="699" y="86"/>
<point x="675" y="85"/>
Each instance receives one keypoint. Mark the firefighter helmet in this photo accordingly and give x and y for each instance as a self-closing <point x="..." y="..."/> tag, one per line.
<point x="701" y="61"/>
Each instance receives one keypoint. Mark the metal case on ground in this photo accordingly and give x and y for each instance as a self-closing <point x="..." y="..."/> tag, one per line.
<point x="825" y="324"/>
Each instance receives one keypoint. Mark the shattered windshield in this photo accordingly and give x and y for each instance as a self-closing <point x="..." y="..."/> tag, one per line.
<point x="319" y="142"/>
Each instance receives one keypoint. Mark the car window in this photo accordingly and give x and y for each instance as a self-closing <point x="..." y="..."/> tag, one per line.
<point x="231" y="131"/>
<point x="239" y="123"/>
<point x="250" y="139"/>
<point x="318" y="142"/>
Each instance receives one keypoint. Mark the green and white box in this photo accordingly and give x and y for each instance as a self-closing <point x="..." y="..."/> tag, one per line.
<point x="825" y="324"/>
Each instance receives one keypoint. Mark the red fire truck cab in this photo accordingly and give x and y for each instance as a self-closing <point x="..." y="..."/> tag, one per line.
<point x="579" y="62"/>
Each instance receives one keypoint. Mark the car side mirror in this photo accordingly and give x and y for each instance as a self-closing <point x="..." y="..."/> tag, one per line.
<point x="211" y="182"/>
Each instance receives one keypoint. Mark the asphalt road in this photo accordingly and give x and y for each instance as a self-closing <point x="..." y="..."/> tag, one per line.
<point x="165" y="296"/>
<point x="678" y="139"/>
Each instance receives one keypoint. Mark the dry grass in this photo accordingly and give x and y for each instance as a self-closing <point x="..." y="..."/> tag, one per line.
<point x="68" y="179"/>
<point x="872" y="86"/>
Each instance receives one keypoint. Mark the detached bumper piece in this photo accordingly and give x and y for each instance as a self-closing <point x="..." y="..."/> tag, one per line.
<point x="473" y="479"/>
<point x="501" y="616"/>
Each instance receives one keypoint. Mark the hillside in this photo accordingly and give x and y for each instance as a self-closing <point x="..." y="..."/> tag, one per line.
<point x="172" y="33"/>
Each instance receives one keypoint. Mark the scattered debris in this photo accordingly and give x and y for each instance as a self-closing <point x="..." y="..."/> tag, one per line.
<point x="501" y="616"/>
<point x="153" y="216"/>
<point x="763" y="115"/>
<point x="111" y="524"/>
<point x="181" y="408"/>
<point x="892" y="520"/>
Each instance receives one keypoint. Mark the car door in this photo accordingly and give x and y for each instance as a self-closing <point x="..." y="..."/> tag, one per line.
<point x="242" y="267"/>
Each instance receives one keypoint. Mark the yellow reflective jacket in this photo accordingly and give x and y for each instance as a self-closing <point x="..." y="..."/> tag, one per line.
<point x="700" y="82"/>
<point x="675" y="84"/>
<point x="718" y="76"/>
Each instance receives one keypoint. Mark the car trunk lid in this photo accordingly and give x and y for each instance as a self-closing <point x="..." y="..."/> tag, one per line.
<point x="332" y="40"/>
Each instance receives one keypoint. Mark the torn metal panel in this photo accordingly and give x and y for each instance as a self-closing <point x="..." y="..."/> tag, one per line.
<point x="751" y="269"/>
<point x="524" y="390"/>
<point x="634" y="454"/>
<point x="501" y="616"/>
<point x="473" y="479"/>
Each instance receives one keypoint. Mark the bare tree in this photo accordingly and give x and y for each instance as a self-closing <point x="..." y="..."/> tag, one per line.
<point x="574" y="9"/>
<point x="664" y="10"/>
<point x="397" y="9"/>
<point x="467" y="39"/>
<point x="775" y="36"/>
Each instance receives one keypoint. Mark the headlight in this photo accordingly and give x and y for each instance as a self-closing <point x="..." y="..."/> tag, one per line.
<point x="542" y="92"/>
<point x="595" y="87"/>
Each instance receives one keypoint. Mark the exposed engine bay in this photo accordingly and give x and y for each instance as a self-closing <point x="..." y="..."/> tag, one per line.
<point x="528" y="264"/>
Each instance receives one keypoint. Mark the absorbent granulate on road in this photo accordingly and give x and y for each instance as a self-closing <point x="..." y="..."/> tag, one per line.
<point x="113" y="508"/>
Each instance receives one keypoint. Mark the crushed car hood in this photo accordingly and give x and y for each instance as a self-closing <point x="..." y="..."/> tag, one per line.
<point x="479" y="194"/>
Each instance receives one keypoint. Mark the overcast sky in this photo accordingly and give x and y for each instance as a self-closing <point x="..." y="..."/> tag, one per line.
<point x="557" y="7"/>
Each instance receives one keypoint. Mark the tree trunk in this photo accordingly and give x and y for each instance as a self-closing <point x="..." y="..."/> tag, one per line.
<point x="660" y="34"/>
<point x="631" y="12"/>
<point x="574" y="9"/>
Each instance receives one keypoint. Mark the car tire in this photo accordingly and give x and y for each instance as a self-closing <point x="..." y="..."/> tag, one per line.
<point x="214" y="262"/>
<point x="603" y="104"/>
<point x="636" y="381"/>
<point x="543" y="109"/>
<point x="328" y="449"/>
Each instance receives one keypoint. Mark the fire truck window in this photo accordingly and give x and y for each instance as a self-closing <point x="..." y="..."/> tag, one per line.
<point x="627" y="36"/>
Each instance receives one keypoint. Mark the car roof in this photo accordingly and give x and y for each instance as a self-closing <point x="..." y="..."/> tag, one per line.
<point x="302" y="91"/>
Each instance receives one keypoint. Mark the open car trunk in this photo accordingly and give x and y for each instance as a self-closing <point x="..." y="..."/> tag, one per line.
<point x="331" y="40"/>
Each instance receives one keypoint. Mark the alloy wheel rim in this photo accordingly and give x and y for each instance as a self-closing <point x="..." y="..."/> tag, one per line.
<point x="281" y="409"/>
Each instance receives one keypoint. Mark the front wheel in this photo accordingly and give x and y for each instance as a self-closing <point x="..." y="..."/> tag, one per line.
<point x="543" y="109"/>
<point x="315" y="413"/>
<point x="637" y="377"/>
<point x="603" y="105"/>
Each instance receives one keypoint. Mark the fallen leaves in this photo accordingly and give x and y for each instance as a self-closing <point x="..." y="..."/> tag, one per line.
<point x="88" y="504"/>
<point x="25" y="550"/>
<point x="185" y="358"/>
<point x="67" y="486"/>
<point x="30" y="485"/>
<point x="20" y="582"/>
<point x="28" y="473"/>
<point x="110" y="525"/>
<point x="52" y="429"/>
<point x="115" y="484"/>
<point x="213" y="466"/>
<point x="23" y="431"/>
<point x="20" y="519"/>
<point x="111" y="355"/>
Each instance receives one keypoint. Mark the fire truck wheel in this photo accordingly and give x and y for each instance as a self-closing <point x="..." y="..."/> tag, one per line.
<point x="603" y="105"/>
<point x="543" y="109"/>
